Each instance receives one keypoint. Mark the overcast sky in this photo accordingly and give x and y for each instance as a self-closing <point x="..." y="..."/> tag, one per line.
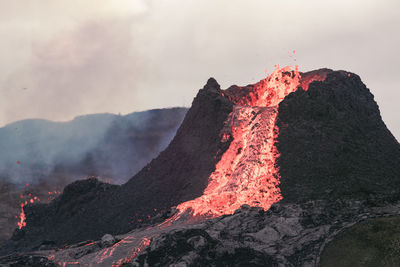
<point x="63" y="58"/>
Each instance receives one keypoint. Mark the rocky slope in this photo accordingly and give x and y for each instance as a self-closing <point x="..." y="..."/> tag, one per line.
<point x="334" y="144"/>
<point x="163" y="183"/>
<point x="285" y="235"/>
<point x="47" y="156"/>
<point x="330" y="157"/>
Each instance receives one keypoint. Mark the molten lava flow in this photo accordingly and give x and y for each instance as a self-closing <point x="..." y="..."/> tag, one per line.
<point x="246" y="173"/>
<point x="309" y="77"/>
<point x="268" y="92"/>
<point x="22" y="216"/>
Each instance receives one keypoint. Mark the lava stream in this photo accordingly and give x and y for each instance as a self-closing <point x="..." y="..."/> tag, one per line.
<point x="246" y="174"/>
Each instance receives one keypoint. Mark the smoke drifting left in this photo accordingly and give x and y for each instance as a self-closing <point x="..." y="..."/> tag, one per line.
<point x="85" y="70"/>
<point x="38" y="158"/>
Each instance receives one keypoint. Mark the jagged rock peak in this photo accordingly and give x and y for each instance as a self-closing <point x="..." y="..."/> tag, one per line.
<point x="212" y="84"/>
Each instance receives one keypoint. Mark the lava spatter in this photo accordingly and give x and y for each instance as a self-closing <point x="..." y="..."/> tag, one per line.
<point x="29" y="198"/>
<point x="22" y="216"/>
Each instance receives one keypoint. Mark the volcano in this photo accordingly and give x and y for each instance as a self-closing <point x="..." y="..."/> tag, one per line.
<point x="291" y="138"/>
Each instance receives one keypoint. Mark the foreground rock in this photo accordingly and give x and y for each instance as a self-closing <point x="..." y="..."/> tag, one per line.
<point x="26" y="261"/>
<point x="374" y="242"/>
<point x="286" y="235"/>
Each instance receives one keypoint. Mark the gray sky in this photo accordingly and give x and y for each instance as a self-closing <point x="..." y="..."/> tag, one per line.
<point x="77" y="57"/>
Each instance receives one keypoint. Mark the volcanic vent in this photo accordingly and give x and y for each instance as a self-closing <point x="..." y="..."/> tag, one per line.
<point x="225" y="155"/>
<point x="247" y="172"/>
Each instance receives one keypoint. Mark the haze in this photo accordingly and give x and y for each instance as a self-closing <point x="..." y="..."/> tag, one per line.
<point x="64" y="58"/>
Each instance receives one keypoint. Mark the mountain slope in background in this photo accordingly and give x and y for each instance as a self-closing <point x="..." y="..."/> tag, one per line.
<point x="112" y="146"/>
<point x="49" y="155"/>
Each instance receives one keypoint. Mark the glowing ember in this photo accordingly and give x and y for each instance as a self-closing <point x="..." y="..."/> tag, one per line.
<point x="22" y="216"/>
<point x="29" y="200"/>
<point x="268" y="92"/>
<point x="145" y="242"/>
<point x="53" y="194"/>
<point x="310" y="77"/>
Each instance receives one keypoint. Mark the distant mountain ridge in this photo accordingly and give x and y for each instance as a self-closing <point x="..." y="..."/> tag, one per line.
<point x="31" y="150"/>
<point x="47" y="155"/>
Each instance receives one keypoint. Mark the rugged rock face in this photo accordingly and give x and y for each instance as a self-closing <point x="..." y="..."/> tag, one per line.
<point x="178" y="174"/>
<point x="337" y="163"/>
<point x="285" y="235"/>
<point x="334" y="144"/>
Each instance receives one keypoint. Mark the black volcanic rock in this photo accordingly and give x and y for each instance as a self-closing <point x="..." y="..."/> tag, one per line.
<point x="192" y="154"/>
<point x="27" y="261"/>
<point x="212" y="84"/>
<point x="195" y="247"/>
<point x="334" y="144"/>
<point x="286" y="235"/>
<point x="89" y="209"/>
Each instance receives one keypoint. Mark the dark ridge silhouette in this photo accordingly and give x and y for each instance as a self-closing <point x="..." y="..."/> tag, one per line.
<point x="111" y="146"/>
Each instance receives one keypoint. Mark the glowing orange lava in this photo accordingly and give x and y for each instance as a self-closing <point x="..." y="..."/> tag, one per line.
<point x="22" y="216"/>
<point x="268" y="92"/>
<point x="53" y="194"/>
<point x="247" y="173"/>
